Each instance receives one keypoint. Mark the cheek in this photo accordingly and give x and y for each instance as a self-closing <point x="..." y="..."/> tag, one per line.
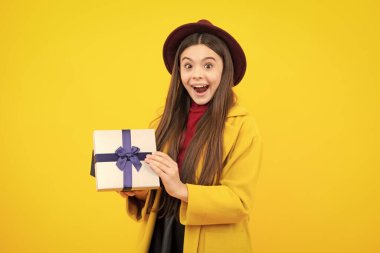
<point x="185" y="78"/>
<point x="216" y="79"/>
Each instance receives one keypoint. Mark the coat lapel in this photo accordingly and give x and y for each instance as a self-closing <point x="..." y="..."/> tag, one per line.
<point x="231" y="130"/>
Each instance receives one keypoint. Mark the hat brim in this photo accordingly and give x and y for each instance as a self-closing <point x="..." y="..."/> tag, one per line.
<point x="179" y="34"/>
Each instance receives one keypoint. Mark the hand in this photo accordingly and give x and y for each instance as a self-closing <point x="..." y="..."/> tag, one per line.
<point x="139" y="194"/>
<point x="167" y="169"/>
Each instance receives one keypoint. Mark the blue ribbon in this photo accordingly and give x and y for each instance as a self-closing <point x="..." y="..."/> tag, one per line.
<point x="125" y="156"/>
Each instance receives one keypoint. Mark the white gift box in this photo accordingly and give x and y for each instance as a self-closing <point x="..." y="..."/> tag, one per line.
<point x="117" y="154"/>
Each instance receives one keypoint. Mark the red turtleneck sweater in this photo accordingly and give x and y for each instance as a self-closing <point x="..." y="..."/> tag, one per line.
<point x="195" y="113"/>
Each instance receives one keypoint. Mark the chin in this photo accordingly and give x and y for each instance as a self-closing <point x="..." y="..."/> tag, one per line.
<point x="202" y="101"/>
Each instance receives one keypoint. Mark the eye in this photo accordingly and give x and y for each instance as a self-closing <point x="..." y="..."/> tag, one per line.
<point x="208" y="65"/>
<point x="187" y="66"/>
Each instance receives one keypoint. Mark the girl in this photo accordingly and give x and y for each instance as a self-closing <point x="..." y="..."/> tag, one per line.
<point x="210" y="150"/>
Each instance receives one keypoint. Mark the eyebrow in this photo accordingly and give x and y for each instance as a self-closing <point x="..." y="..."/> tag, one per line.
<point x="206" y="58"/>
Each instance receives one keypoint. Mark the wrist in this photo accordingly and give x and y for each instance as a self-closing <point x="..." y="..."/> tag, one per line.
<point x="183" y="193"/>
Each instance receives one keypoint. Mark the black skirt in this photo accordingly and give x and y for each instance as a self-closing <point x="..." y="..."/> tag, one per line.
<point x="167" y="236"/>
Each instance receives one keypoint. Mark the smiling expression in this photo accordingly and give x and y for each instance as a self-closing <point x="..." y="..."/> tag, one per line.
<point x="201" y="71"/>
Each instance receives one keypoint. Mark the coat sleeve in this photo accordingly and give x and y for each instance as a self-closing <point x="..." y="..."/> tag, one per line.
<point x="231" y="201"/>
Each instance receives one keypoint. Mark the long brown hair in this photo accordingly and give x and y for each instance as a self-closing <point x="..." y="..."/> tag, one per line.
<point x="207" y="142"/>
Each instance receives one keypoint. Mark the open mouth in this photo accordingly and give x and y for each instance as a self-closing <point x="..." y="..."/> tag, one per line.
<point x="200" y="88"/>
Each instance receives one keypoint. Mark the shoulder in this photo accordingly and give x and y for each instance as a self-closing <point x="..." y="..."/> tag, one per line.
<point x="241" y="133"/>
<point x="242" y="120"/>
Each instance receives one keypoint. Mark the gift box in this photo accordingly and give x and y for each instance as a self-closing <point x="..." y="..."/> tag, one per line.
<point x="118" y="160"/>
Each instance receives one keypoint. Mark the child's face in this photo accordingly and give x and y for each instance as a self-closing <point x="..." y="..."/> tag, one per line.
<point x="201" y="70"/>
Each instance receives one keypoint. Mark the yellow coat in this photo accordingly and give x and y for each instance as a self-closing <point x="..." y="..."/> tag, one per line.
<point x="216" y="218"/>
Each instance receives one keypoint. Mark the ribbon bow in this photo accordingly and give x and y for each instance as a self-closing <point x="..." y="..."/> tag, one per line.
<point x="125" y="157"/>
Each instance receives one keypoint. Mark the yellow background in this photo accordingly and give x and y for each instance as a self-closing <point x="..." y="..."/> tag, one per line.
<point x="69" y="67"/>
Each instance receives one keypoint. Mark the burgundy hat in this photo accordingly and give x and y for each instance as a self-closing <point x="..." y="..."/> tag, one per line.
<point x="204" y="26"/>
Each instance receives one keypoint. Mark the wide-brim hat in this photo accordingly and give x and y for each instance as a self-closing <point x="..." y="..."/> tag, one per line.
<point x="204" y="26"/>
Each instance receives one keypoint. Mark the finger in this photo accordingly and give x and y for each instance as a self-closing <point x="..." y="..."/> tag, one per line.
<point x="140" y="191"/>
<point x="168" y="170"/>
<point x="130" y="193"/>
<point x="158" y="165"/>
<point x="123" y="194"/>
<point x="159" y="159"/>
<point x="159" y="172"/>
<point x="164" y="158"/>
<point x="168" y="160"/>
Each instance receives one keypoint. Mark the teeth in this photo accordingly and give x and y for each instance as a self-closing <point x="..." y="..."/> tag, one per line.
<point x="200" y="86"/>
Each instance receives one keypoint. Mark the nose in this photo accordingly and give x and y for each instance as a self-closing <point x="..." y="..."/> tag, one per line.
<point x="197" y="73"/>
